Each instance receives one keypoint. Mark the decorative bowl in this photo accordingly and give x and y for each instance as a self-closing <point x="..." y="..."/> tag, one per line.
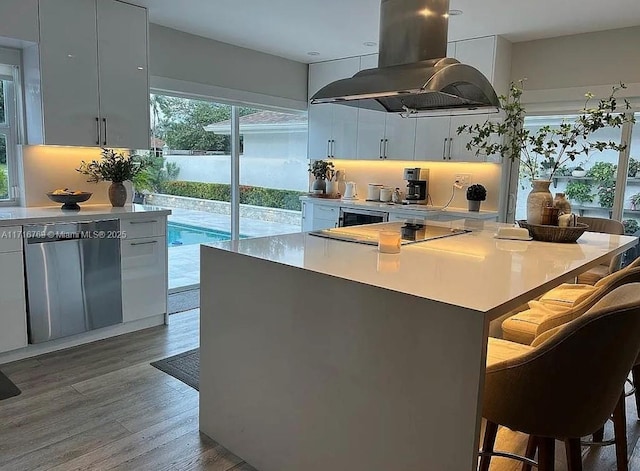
<point x="70" y="201"/>
<point x="579" y="173"/>
<point x="554" y="233"/>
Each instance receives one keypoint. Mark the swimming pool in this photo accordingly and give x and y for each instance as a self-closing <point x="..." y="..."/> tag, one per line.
<point x="183" y="234"/>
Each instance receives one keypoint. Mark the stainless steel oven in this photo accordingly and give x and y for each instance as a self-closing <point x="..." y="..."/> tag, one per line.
<point x="357" y="217"/>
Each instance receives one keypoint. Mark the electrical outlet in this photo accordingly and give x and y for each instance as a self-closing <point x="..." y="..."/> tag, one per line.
<point x="463" y="179"/>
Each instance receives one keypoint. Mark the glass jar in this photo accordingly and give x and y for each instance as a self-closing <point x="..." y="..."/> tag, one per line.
<point x="562" y="203"/>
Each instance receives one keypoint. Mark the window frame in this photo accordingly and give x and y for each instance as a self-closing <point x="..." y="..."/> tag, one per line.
<point x="11" y="127"/>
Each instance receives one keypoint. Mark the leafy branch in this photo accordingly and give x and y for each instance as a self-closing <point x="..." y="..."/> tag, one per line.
<point x="548" y="148"/>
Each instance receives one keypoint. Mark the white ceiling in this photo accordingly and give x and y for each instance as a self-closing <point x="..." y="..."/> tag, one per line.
<point x="338" y="28"/>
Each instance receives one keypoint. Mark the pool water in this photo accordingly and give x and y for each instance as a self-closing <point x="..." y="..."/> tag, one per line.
<point x="183" y="234"/>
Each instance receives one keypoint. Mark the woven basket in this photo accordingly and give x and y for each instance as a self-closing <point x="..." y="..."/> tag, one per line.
<point x="554" y="233"/>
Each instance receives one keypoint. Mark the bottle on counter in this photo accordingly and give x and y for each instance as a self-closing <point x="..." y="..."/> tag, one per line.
<point x="561" y="202"/>
<point x="396" y="196"/>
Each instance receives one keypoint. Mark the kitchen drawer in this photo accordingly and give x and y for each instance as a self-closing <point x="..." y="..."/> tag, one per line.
<point x="144" y="278"/>
<point x="145" y="226"/>
<point x="328" y="213"/>
<point x="10" y="239"/>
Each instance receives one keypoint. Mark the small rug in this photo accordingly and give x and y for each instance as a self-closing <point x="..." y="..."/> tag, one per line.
<point x="184" y="301"/>
<point x="184" y="366"/>
<point x="7" y="388"/>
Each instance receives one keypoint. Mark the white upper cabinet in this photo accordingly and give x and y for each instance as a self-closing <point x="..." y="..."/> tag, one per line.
<point x="124" y="84"/>
<point x="383" y="135"/>
<point x="69" y="72"/>
<point x="332" y="128"/>
<point x="437" y="138"/>
<point x="93" y="75"/>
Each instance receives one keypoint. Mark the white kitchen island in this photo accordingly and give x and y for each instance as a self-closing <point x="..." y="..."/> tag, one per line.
<point x="325" y="355"/>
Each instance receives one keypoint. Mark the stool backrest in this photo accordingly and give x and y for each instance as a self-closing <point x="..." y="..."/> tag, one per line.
<point x="569" y="385"/>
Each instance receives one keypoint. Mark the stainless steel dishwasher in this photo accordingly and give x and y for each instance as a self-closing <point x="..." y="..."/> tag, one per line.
<point x="73" y="278"/>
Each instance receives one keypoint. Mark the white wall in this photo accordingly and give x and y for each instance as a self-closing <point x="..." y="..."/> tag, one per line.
<point x="19" y="20"/>
<point x="182" y="57"/>
<point x="268" y="172"/>
<point x="560" y="69"/>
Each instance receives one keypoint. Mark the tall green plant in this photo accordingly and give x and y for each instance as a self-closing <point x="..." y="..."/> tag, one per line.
<point x="546" y="147"/>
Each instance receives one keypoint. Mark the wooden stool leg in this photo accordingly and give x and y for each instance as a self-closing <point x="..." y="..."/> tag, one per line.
<point x="546" y="454"/>
<point x="532" y="446"/>
<point x="598" y="436"/>
<point x="574" y="454"/>
<point x="620" y="429"/>
<point x="490" y="433"/>
<point x="635" y="373"/>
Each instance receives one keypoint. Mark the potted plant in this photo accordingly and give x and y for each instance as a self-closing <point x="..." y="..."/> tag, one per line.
<point x="545" y="147"/>
<point x="579" y="192"/>
<point x="634" y="167"/>
<point x="578" y="172"/>
<point x="115" y="167"/>
<point x="475" y="195"/>
<point x="321" y="170"/>
<point x="631" y="226"/>
<point x="635" y="201"/>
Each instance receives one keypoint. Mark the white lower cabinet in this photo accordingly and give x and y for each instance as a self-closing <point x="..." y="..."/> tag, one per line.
<point x="13" y="311"/>
<point x="144" y="278"/>
<point x="316" y="217"/>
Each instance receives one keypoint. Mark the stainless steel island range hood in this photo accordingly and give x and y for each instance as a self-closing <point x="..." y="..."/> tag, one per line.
<point x="413" y="76"/>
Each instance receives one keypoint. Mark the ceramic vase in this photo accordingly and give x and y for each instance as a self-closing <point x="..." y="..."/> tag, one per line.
<point x="474" y="205"/>
<point x="117" y="194"/>
<point x="539" y="198"/>
<point x="562" y="203"/>
<point x="331" y="187"/>
<point x="319" y="185"/>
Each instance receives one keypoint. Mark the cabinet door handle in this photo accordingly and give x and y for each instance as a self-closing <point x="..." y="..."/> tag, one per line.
<point x="381" y="148"/>
<point x="151" y="242"/>
<point x="104" y="142"/>
<point x="328" y="148"/>
<point x="149" y="221"/>
<point x="386" y="148"/>
<point x="444" y="149"/>
<point x="333" y="148"/>
<point x="97" y="130"/>
<point x="450" y="145"/>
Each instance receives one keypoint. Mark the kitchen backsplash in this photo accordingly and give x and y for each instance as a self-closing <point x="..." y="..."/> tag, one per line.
<point x="46" y="168"/>
<point x="441" y="178"/>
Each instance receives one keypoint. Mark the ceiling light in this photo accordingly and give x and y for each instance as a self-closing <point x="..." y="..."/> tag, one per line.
<point x="369" y="44"/>
<point x="313" y="53"/>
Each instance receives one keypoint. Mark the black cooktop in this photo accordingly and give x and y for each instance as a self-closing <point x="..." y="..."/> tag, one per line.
<point x="368" y="234"/>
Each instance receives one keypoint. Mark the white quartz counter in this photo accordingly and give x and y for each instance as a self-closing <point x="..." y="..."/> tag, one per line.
<point x="410" y="210"/>
<point x="475" y="270"/>
<point x="17" y="216"/>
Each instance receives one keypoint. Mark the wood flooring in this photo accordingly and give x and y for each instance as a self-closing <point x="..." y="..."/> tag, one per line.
<point x="102" y="406"/>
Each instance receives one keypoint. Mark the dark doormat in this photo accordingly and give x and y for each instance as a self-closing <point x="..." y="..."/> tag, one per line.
<point x="184" y="366"/>
<point x="7" y="388"/>
<point x="184" y="301"/>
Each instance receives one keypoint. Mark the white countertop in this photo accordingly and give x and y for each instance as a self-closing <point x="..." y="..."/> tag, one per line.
<point x="473" y="270"/>
<point x="412" y="210"/>
<point x="17" y="216"/>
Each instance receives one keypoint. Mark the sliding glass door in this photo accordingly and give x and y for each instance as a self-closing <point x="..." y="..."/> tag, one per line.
<point x="194" y="175"/>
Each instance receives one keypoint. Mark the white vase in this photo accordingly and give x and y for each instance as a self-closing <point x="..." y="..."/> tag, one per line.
<point x="539" y="198"/>
<point x="331" y="187"/>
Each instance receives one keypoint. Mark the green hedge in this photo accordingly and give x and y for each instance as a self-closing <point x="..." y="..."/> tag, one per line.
<point x="3" y="184"/>
<point x="255" y="195"/>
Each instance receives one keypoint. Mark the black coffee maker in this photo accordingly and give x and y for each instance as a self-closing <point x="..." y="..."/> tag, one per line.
<point x="417" y="185"/>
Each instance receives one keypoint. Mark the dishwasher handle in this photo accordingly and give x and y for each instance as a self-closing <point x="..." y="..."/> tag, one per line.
<point x="50" y="237"/>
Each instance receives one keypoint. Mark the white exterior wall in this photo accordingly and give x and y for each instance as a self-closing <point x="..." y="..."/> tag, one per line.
<point x="270" y="160"/>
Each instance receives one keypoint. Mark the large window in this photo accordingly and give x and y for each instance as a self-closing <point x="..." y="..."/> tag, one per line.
<point x="591" y="193"/>
<point x="8" y="132"/>
<point x="192" y="175"/>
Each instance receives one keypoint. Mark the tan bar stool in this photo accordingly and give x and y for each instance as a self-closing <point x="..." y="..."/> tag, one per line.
<point x="545" y="391"/>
